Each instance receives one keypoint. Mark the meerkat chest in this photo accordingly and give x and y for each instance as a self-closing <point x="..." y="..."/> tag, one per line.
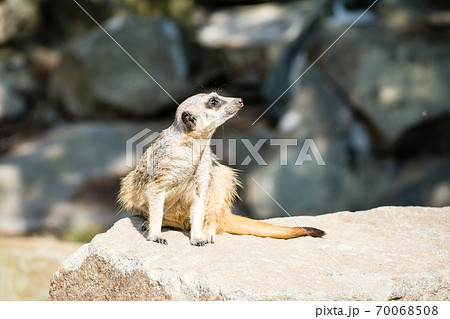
<point x="188" y="167"/>
<point x="190" y="183"/>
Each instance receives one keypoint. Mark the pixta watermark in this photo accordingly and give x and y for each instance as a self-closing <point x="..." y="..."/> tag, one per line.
<point x="231" y="151"/>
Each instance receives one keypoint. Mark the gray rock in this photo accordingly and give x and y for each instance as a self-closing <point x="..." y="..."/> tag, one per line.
<point x="315" y="113"/>
<point x="45" y="183"/>
<point x="382" y="254"/>
<point x="256" y="25"/>
<point x="64" y="20"/>
<point x="11" y="105"/>
<point x="398" y="81"/>
<point x="353" y="176"/>
<point x="97" y="79"/>
<point x="423" y="181"/>
<point x="18" y="18"/>
<point x="250" y="40"/>
<point x="16" y="83"/>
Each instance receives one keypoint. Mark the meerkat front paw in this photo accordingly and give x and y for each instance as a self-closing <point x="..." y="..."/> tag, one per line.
<point x="158" y="240"/>
<point x="199" y="242"/>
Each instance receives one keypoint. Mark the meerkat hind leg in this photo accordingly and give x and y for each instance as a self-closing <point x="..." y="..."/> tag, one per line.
<point x="209" y="230"/>
<point x="210" y="235"/>
<point x="222" y="189"/>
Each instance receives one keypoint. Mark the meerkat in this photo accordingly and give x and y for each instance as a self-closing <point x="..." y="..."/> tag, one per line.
<point x="179" y="182"/>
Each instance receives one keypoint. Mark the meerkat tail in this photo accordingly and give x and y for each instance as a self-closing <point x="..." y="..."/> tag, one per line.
<point x="239" y="225"/>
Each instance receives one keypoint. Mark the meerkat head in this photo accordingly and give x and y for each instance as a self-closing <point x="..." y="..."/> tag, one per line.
<point x="201" y="114"/>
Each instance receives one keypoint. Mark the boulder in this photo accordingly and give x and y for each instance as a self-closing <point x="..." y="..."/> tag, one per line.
<point x="18" y="18"/>
<point x="250" y="40"/>
<point x="96" y="78"/>
<point x="58" y="180"/>
<point x="396" y="79"/>
<point x="62" y="21"/>
<point x="255" y="25"/>
<point x="11" y="105"/>
<point x="423" y="181"/>
<point x="51" y="21"/>
<point x="16" y="84"/>
<point x="316" y="113"/>
<point x="353" y="177"/>
<point x="388" y="253"/>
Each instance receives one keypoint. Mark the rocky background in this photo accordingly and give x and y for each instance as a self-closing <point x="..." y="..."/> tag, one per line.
<point x="376" y="103"/>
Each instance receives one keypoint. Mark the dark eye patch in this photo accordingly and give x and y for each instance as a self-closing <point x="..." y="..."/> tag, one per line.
<point x="214" y="102"/>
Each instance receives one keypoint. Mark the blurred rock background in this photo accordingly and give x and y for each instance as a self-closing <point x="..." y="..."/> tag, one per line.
<point x="376" y="104"/>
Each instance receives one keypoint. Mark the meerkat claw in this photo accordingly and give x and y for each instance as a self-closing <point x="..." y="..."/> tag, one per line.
<point x="199" y="243"/>
<point x="159" y="240"/>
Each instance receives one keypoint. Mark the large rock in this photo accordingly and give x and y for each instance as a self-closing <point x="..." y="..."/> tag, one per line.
<point x="396" y="79"/>
<point x="318" y="114"/>
<point x="353" y="177"/>
<point x="250" y="40"/>
<point x="255" y="25"/>
<point x="389" y="253"/>
<point x="423" y="181"/>
<point x="41" y="180"/>
<point x="55" y="21"/>
<point x="11" y="105"/>
<point x="16" y="84"/>
<point x="18" y="18"/>
<point x="391" y="92"/>
<point x="96" y="78"/>
<point x="64" y="20"/>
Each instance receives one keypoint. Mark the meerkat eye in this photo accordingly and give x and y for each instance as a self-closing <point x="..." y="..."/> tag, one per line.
<point x="213" y="102"/>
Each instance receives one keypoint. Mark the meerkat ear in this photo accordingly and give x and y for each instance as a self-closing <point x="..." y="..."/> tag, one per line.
<point x="188" y="121"/>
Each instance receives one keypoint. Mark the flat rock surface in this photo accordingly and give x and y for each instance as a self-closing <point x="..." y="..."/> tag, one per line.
<point x="388" y="253"/>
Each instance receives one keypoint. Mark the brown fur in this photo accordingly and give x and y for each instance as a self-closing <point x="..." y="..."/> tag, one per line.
<point x="181" y="180"/>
